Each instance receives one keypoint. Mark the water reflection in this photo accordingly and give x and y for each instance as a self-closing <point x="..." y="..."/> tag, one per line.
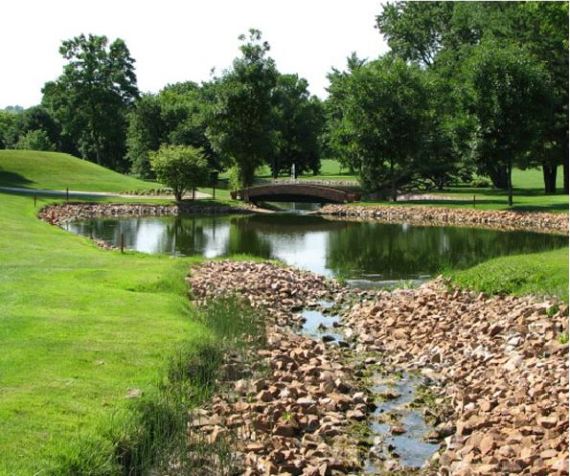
<point x="360" y="251"/>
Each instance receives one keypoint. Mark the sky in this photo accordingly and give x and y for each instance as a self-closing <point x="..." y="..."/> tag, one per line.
<point x="182" y="40"/>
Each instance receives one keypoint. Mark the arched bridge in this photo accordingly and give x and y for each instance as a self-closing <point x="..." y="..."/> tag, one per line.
<point x="294" y="192"/>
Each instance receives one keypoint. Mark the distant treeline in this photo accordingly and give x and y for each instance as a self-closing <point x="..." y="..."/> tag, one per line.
<point x="467" y="90"/>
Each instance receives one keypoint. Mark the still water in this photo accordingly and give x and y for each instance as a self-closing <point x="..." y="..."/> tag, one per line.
<point x="362" y="253"/>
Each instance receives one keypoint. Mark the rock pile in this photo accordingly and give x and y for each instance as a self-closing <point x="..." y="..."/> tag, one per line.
<point x="499" y="363"/>
<point x="62" y="213"/>
<point x="508" y="220"/>
<point x="499" y="359"/>
<point x="295" y="419"/>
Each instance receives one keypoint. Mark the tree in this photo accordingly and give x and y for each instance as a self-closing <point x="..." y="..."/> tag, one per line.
<point x="442" y="35"/>
<point x="510" y="100"/>
<point x="145" y="133"/>
<point x="239" y="121"/>
<point x="181" y="168"/>
<point x="384" y="112"/>
<point x="8" y="129"/>
<point x="92" y="96"/>
<point x="336" y="136"/>
<point x="415" y="30"/>
<point x="37" y="139"/>
<point x="298" y="121"/>
<point x="177" y="116"/>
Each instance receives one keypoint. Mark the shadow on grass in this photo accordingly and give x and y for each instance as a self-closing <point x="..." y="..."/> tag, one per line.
<point x="12" y="179"/>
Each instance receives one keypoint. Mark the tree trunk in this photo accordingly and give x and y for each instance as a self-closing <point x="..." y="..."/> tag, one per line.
<point x="498" y="176"/>
<point x="549" y="174"/>
<point x="510" y="183"/>
<point x="393" y="181"/>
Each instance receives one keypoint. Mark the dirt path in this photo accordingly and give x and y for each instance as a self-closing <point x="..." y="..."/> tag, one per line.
<point x="83" y="194"/>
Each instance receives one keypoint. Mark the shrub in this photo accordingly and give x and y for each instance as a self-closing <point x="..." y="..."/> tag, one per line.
<point x="481" y="182"/>
<point x="35" y="140"/>
<point x="181" y="168"/>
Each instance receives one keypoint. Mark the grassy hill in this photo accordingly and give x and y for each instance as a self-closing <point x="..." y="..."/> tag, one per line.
<point x="56" y="171"/>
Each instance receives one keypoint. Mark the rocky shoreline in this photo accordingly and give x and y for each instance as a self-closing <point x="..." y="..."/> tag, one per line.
<point x="506" y="390"/>
<point x="438" y="216"/>
<point x="59" y="214"/>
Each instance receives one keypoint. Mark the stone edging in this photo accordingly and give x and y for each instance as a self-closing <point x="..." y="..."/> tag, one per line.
<point x="62" y="213"/>
<point x="435" y="216"/>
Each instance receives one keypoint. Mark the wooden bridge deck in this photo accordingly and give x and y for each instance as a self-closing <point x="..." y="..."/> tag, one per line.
<point x="294" y="192"/>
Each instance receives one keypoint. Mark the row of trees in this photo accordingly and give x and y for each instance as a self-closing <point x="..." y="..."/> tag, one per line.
<point x="467" y="87"/>
<point x="248" y="116"/>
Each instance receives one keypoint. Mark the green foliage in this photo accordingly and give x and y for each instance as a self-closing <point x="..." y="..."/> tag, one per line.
<point x="443" y="35"/>
<point x="176" y="116"/>
<point x="511" y="102"/>
<point x="8" y="129"/>
<point x="480" y="182"/>
<point x="92" y="96"/>
<point x="563" y="338"/>
<point x="383" y="111"/>
<point x="298" y="122"/>
<point x="240" y="119"/>
<point x="144" y="134"/>
<point x="35" y="140"/>
<point x="179" y="167"/>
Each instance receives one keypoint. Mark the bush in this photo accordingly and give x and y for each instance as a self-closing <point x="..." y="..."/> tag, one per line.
<point x="481" y="182"/>
<point x="181" y="168"/>
<point x="35" y="140"/>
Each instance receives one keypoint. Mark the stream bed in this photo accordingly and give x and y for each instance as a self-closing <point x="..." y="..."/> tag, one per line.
<point x="398" y="431"/>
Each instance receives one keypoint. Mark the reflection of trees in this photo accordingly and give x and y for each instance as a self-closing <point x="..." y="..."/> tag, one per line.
<point x="397" y="251"/>
<point x="289" y="224"/>
<point x="353" y="249"/>
<point x="244" y="239"/>
<point x="186" y="234"/>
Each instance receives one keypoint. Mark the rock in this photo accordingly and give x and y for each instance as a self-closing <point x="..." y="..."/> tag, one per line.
<point x="397" y="430"/>
<point x="134" y="393"/>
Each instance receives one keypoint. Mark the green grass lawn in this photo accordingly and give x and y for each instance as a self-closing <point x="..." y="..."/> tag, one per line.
<point x="57" y="171"/>
<point x="538" y="273"/>
<point x="79" y="327"/>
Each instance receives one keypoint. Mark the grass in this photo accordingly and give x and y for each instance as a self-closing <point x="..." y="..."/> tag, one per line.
<point x="56" y="171"/>
<point x="79" y="328"/>
<point x="537" y="273"/>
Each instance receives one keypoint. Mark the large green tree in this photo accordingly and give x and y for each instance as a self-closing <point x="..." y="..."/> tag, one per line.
<point x="177" y="116"/>
<point x="384" y="109"/>
<point x="442" y="35"/>
<point x="298" y="121"/>
<point x="91" y="98"/>
<point x="511" y="100"/>
<point x="240" y="120"/>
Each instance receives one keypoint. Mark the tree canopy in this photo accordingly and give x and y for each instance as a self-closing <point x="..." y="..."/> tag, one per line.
<point x="91" y="98"/>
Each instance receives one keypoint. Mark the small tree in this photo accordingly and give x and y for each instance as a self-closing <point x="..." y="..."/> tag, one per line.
<point x="182" y="168"/>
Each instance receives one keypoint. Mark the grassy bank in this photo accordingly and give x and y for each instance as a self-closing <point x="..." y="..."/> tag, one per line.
<point x="538" y="273"/>
<point x="82" y="329"/>
<point x="56" y="171"/>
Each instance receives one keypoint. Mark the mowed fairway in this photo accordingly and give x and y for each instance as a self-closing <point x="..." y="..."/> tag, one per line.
<point x="79" y="327"/>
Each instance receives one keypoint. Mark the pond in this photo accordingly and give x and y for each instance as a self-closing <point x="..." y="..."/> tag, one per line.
<point x="362" y="253"/>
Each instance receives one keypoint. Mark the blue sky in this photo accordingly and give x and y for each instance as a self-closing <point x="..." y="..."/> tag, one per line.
<point x="179" y="40"/>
